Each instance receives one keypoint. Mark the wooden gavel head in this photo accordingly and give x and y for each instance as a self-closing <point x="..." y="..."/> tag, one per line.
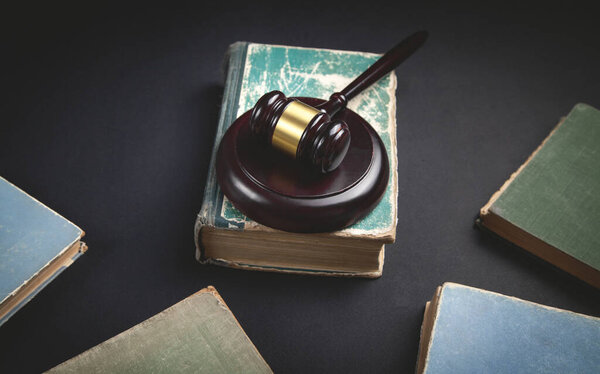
<point x="301" y="131"/>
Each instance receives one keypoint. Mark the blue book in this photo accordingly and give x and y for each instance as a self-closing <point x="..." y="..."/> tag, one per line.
<point x="36" y="244"/>
<point x="469" y="330"/>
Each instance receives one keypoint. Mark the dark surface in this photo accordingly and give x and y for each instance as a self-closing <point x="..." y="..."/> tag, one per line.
<point x="109" y="113"/>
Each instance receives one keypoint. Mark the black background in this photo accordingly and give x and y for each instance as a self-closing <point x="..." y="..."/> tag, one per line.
<point x="108" y="114"/>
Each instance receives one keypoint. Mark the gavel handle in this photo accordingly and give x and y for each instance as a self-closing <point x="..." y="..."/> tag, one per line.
<point x="385" y="64"/>
<point x="381" y="67"/>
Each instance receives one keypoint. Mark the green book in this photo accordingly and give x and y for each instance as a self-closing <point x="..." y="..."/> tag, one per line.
<point x="224" y="236"/>
<point x="197" y="335"/>
<point x="551" y="205"/>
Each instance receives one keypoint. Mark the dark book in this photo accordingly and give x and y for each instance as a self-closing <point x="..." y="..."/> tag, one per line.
<point x="226" y="237"/>
<point x="469" y="330"/>
<point x="551" y="205"/>
<point x="197" y="335"/>
<point x="36" y="244"/>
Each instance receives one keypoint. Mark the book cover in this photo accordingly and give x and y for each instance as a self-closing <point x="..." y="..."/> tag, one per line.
<point x="254" y="69"/>
<point x="551" y="206"/>
<point x="36" y="244"/>
<point x="469" y="330"/>
<point x="197" y="335"/>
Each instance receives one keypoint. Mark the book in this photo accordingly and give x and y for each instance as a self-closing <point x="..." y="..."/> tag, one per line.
<point x="224" y="236"/>
<point x="36" y="244"/>
<point x="197" y="335"/>
<point x="551" y="205"/>
<point x="469" y="330"/>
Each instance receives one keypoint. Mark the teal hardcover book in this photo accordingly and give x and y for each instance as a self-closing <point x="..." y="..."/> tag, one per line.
<point x="224" y="236"/>
<point x="469" y="330"/>
<point x="197" y="335"/>
<point x="36" y="244"/>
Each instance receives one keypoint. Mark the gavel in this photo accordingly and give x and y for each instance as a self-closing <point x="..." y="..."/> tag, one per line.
<point x="311" y="134"/>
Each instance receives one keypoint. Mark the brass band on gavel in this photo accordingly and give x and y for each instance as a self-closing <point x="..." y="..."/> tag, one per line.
<point x="291" y="125"/>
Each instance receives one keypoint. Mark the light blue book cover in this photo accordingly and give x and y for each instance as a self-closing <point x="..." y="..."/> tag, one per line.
<point x="469" y="330"/>
<point x="255" y="69"/>
<point x="36" y="244"/>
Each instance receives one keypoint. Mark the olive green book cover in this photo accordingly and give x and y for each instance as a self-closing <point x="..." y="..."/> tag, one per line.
<point x="551" y="205"/>
<point x="197" y="335"/>
<point x="254" y="69"/>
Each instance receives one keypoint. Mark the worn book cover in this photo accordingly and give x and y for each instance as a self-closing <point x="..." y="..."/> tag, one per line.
<point x="36" y="244"/>
<point x="197" y="335"/>
<point x="469" y="330"/>
<point x="254" y="69"/>
<point x="551" y="205"/>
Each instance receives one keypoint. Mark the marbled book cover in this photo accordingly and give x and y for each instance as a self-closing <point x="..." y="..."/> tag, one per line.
<point x="254" y="69"/>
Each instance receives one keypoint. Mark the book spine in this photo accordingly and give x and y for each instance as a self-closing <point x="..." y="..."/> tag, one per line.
<point x="31" y="287"/>
<point x="235" y="60"/>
